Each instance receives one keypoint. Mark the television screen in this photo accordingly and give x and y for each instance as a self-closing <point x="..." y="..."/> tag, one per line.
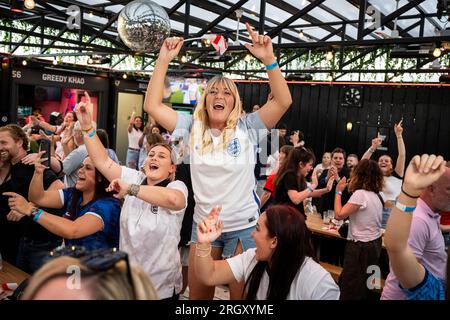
<point x="47" y="93"/>
<point x="185" y="90"/>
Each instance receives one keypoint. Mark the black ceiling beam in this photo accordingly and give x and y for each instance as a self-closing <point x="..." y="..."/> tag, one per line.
<point x="216" y="21"/>
<point x="35" y="26"/>
<point x="58" y="36"/>
<point x="220" y="11"/>
<point x="394" y="15"/>
<point x="262" y="16"/>
<point x="84" y="27"/>
<point x="106" y="26"/>
<point x="294" y="11"/>
<point x="172" y="10"/>
<point x="430" y="19"/>
<point x="304" y="51"/>
<point x="68" y="41"/>
<point x="187" y="17"/>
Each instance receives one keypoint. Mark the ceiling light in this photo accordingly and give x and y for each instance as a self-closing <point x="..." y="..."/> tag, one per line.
<point x="329" y="55"/>
<point x="349" y="126"/>
<point x="184" y="59"/>
<point x="437" y="52"/>
<point x="301" y="34"/>
<point x="55" y="62"/>
<point x="91" y="14"/>
<point x="248" y="58"/>
<point x="29" y="4"/>
<point x="24" y="62"/>
<point x="124" y="76"/>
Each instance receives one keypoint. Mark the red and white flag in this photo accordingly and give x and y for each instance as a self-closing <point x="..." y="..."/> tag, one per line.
<point x="219" y="43"/>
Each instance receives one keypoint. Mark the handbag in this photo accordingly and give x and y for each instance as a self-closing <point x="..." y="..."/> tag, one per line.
<point x="343" y="230"/>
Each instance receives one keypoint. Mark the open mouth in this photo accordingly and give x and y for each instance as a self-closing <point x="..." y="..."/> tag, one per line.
<point x="218" y="106"/>
<point x="153" y="167"/>
<point x="81" y="178"/>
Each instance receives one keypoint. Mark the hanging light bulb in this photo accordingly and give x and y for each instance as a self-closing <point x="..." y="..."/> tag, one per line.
<point x="24" y="63"/>
<point x="29" y="4"/>
<point x="55" y="62"/>
<point x="183" y="59"/>
<point x="437" y="52"/>
<point x="301" y="34"/>
<point x="349" y="126"/>
<point x="329" y="55"/>
<point x="248" y="58"/>
<point x="91" y="14"/>
<point x="124" y="76"/>
<point x="330" y="78"/>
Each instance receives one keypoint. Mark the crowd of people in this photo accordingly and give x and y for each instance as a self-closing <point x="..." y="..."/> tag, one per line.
<point x="190" y="209"/>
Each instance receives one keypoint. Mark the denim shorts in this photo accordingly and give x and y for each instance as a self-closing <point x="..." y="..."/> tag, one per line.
<point x="133" y="157"/>
<point x="229" y="240"/>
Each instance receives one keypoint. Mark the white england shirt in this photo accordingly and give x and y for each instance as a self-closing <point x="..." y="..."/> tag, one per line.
<point x="150" y="235"/>
<point x="225" y="177"/>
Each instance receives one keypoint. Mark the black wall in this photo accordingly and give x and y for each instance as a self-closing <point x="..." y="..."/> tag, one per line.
<point x="317" y="112"/>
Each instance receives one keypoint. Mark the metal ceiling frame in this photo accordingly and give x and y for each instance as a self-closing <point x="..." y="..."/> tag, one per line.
<point x="48" y="15"/>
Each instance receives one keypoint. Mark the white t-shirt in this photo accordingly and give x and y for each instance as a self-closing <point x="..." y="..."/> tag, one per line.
<point x="225" y="177"/>
<point x="392" y="188"/>
<point x="150" y="235"/>
<point x="365" y="224"/>
<point x="133" y="138"/>
<point x="312" y="282"/>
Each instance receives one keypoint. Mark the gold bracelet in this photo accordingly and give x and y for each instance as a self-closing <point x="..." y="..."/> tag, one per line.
<point x="207" y="254"/>
<point x="202" y="249"/>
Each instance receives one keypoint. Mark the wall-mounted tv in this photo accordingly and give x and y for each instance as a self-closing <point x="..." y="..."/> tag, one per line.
<point x="186" y="90"/>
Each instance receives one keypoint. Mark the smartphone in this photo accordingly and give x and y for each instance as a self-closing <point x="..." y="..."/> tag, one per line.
<point x="45" y="145"/>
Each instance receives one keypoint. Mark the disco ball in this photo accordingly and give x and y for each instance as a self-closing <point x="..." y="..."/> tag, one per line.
<point x="143" y="25"/>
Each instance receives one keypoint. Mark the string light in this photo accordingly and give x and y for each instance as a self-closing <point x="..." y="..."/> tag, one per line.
<point x="248" y="58"/>
<point x="184" y="59"/>
<point x="55" y="62"/>
<point x="29" y="4"/>
<point x="437" y="52"/>
<point x="349" y="126"/>
<point x="329" y="55"/>
<point x="24" y="63"/>
<point x="301" y="34"/>
<point x="124" y="76"/>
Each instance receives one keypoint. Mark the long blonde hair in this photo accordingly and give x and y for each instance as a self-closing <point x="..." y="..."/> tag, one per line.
<point x="201" y="120"/>
<point x="112" y="284"/>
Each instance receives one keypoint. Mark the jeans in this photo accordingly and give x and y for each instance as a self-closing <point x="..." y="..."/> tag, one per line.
<point x="33" y="254"/>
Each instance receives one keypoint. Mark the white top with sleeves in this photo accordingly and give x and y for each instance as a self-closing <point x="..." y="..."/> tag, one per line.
<point x="225" y="177"/>
<point x="150" y="235"/>
<point x="312" y="282"/>
<point x="133" y="138"/>
<point x="365" y="224"/>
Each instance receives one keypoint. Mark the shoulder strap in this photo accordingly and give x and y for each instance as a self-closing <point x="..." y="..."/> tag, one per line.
<point x="381" y="198"/>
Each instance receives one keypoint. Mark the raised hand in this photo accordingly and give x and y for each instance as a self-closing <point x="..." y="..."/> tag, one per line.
<point x="342" y="184"/>
<point x="398" y="128"/>
<point x="170" y="49"/>
<point x="261" y="46"/>
<point x="376" y="142"/>
<point x="330" y="184"/>
<point x="210" y="228"/>
<point x="314" y="179"/>
<point x="30" y="158"/>
<point x="119" y="187"/>
<point x="84" y="110"/>
<point x="18" y="203"/>
<point x="39" y="168"/>
<point x="423" y="171"/>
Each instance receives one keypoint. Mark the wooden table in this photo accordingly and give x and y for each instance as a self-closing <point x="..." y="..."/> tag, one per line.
<point x="11" y="274"/>
<point x="315" y="224"/>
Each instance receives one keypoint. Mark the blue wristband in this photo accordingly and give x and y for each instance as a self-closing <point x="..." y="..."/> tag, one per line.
<point x="272" y="66"/>
<point x="404" y="208"/>
<point x="339" y="193"/>
<point x="90" y="135"/>
<point x="38" y="215"/>
<point x="310" y="189"/>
